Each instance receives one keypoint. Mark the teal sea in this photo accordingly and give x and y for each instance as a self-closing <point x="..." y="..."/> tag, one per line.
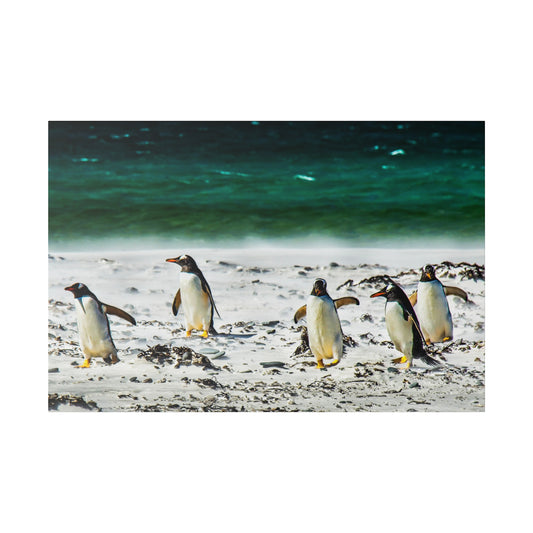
<point x="217" y="183"/>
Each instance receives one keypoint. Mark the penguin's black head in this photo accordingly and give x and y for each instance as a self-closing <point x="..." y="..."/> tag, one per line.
<point x="428" y="273"/>
<point x="391" y="291"/>
<point x="186" y="262"/>
<point x="319" y="287"/>
<point x="78" y="290"/>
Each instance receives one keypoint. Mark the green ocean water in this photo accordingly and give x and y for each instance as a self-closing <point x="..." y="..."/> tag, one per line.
<point x="362" y="183"/>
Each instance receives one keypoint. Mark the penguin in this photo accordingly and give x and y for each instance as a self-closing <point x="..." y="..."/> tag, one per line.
<point x="403" y="326"/>
<point x="432" y="306"/>
<point x="323" y="324"/>
<point x="93" y="324"/>
<point x="195" y="296"/>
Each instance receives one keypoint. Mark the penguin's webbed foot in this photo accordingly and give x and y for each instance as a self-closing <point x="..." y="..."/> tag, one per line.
<point x="399" y="360"/>
<point x="333" y="363"/>
<point x="188" y="333"/>
<point x="86" y="364"/>
<point x="320" y="364"/>
<point x="204" y="334"/>
<point x="446" y="339"/>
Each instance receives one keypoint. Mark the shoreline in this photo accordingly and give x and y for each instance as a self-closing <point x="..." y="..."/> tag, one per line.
<point x="308" y="242"/>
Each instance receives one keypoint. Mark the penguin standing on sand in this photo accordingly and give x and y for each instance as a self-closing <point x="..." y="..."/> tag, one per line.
<point x="195" y="296"/>
<point x="432" y="306"/>
<point x="323" y="324"/>
<point x="93" y="324"/>
<point x="403" y="326"/>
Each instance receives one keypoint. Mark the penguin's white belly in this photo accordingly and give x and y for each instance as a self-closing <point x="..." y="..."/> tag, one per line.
<point x="195" y="302"/>
<point x="95" y="338"/>
<point x="323" y="328"/>
<point x="400" y="330"/>
<point x="433" y="312"/>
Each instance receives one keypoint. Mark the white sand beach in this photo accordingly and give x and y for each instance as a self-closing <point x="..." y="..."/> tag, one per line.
<point x="257" y="291"/>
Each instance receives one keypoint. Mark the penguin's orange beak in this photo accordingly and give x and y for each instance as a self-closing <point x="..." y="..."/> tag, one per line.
<point x="71" y="289"/>
<point x="172" y="260"/>
<point x="428" y="275"/>
<point x="380" y="293"/>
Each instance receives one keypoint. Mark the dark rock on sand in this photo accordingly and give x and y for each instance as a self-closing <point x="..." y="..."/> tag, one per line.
<point x="208" y="382"/>
<point x="464" y="270"/>
<point x="176" y="355"/>
<point x="269" y="364"/>
<point x="55" y="400"/>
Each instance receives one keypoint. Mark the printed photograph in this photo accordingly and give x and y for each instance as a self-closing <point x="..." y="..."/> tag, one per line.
<point x="266" y="266"/>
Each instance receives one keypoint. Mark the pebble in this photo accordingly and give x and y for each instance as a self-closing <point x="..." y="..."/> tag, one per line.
<point x="53" y="370"/>
<point x="269" y="364"/>
<point x="393" y="370"/>
<point x="213" y="353"/>
<point x="207" y="351"/>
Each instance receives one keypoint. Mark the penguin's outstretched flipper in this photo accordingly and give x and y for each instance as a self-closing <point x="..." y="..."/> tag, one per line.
<point x="176" y="303"/>
<point x="413" y="298"/>
<point x="300" y="313"/>
<point x="455" y="291"/>
<point x="339" y="302"/>
<point x="112" y="310"/>
<point x="347" y="300"/>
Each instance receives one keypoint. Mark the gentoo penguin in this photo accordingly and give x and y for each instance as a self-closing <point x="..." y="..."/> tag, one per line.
<point x="195" y="296"/>
<point x="93" y="324"/>
<point x="323" y="324"/>
<point x="432" y="307"/>
<point x="403" y="326"/>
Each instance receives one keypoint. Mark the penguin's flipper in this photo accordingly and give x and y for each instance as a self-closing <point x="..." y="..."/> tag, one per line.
<point x="414" y="320"/>
<point x="300" y="313"/>
<point x="339" y="302"/>
<point x="455" y="291"/>
<point x="176" y="303"/>
<point x="112" y="310"/>
<point x="207" y="289"/>
<point x="413" y="298"/>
